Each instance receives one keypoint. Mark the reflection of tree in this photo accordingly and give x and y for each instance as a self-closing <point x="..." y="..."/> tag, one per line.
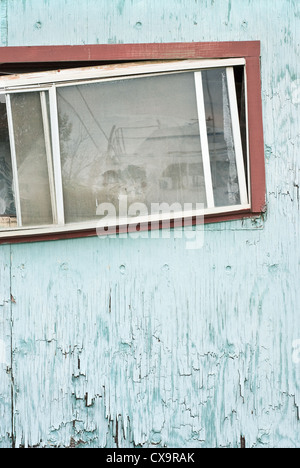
<point x="70" y="143"/>
<point x="92" y="170"/>
<point x="75" y="143"/>
<point x="7" y="204"/>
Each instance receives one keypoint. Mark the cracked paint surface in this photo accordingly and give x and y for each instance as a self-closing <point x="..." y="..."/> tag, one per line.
<point x="140" y="342"/>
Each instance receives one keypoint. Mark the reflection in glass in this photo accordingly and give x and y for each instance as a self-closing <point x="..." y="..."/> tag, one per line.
<point x="7" y="203"/>
<point x="31" y="159"/>
<point x="220" y="138"/>
<point x="239" y="75"/>
<point x="137" y="137"/>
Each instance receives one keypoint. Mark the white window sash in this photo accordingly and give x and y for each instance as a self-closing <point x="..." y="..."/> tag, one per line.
<point x="247" y="135"/>
<point x="56" y="157"/>
<point x="153" y="219"/>
<point x="204" y="141"/>
<point x="61" y="77"/>
<point x="237" y="136"/>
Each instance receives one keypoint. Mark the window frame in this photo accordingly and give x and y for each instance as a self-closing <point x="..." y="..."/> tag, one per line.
<point x="248" y="53"/>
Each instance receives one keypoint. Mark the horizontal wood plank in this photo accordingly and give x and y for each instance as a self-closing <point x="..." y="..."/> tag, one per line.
<point x="129" y="52"/>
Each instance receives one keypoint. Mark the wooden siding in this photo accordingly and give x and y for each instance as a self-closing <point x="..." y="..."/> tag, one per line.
<point x="141" y="342"/>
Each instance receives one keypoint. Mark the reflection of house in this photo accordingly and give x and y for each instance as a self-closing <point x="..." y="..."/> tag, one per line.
<point x="157" y="163"/>
<point x="179" y="152"/>
<point x="175" y="141"/>
<point x="131" y="172"/>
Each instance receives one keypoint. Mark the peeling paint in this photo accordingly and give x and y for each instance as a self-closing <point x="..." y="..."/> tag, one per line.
<point x="165" y="347"/>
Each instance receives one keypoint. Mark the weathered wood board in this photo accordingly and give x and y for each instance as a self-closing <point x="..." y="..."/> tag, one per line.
<point x="141" y="342"/>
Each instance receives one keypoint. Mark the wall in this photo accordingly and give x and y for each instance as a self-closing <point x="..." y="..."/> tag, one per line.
<point x="135" y="342"/>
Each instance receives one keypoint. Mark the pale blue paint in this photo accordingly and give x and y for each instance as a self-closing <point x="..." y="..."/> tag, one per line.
<point x="182" y="348"/>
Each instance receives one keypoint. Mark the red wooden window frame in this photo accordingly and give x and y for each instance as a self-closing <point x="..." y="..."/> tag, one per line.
<point x="18" y="59"/>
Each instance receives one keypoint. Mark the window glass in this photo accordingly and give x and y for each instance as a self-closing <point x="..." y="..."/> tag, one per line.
<point x="220" y="138"/>
<point x="31" y="158"/>
<point x="137" y="138"/>
<point x="7" y="203"/>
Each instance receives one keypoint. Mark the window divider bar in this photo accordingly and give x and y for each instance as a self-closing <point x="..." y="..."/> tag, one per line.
<point x="56" y="156"/>
<point x="47" y="136"/>
<point x="204" y="141"/>
<point x="237" y="136"/>
<point x="14" y="160"/>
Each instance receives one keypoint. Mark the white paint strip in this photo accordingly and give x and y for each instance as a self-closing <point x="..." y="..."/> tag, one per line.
<point x="237" y="136"/>
<point x="56" y="156"/>
<point x="38" y="230"/>
<point x="14" y="161"/>
<point x="107" y="71"/>
<point x="247" y="135"/>
<point x="47" y="136"/>
<point x="204" y="141"/>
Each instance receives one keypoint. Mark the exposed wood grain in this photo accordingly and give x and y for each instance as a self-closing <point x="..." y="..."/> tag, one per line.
<point x="3" y="23"/>
<point x="5" y="351"/>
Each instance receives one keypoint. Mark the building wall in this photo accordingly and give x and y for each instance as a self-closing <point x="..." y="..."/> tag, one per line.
<point x="135" y="342"/>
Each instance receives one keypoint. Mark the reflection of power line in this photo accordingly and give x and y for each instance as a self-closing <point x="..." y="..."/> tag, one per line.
<point x="120" y="140"/>
<point x="109" y="139"/>
<point x="110" y="147"/>
<point x="92" y="114"/>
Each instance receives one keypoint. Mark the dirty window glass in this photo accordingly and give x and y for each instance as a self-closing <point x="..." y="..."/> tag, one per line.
<point x="7" y="202"/>
<point x="137" y="137"/>
<point x="220" y="138"/>
<point x="31" y="158"/>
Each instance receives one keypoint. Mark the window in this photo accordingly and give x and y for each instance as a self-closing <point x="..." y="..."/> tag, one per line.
<point x="151" y="134"/>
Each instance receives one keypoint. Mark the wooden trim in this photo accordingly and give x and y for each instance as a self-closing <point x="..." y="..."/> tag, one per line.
<point x="129" y="52"/>
<point x="256" y="138"/>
